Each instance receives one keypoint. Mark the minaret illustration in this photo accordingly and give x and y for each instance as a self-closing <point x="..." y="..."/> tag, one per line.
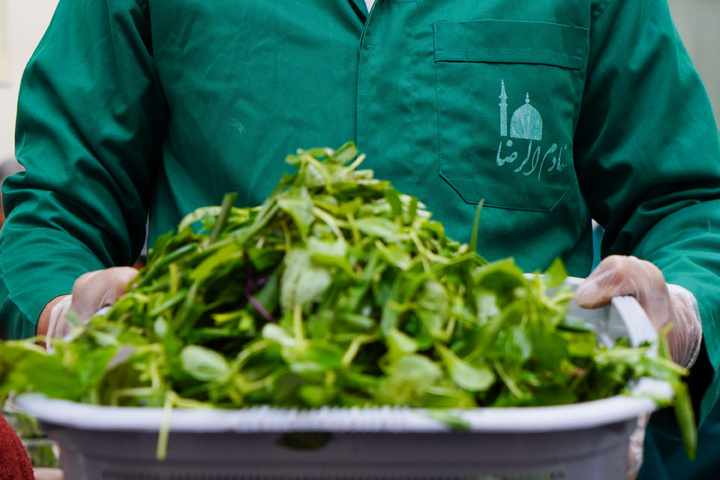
<point x="503" y="110"/>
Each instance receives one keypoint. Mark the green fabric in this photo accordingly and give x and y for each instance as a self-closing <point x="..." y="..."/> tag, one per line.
<point x="551" y="112"/>
<point x="665" y="457"/>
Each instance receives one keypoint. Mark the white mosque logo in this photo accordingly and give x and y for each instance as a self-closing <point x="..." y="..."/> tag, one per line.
<point x="526" y="124"/>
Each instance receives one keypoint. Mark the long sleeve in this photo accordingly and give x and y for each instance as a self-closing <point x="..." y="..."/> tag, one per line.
<point x="649" y="155"/>
<point x="89" y="130"/>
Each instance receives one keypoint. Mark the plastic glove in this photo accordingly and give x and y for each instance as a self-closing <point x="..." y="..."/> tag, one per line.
<point x="636" y="449"/>
<point x="665" y="304"/>
<point x="91" y="292"/>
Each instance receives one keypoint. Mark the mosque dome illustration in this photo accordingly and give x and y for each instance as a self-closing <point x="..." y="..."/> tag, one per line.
<point x="526" y="123"/>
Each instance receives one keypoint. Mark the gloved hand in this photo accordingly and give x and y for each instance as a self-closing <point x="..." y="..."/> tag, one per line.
<point x="636" y="448"/>
<point x="663" y="303"/>
<point x="91" y="292"/>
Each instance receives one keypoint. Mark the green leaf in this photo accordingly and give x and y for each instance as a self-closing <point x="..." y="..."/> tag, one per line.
<point x="407" y="381"/>
<point x="378" y="227"/>
<point x="278" y="334"/>
<point x="316" y="396"/>
<point x="400" y="345"/>
<point x="303" y="281"/>
<point x="452" y="420"/>
<point x="28" y="368"/>
<point x="393" y="199"/>
<point x="227" y="203"/>
<point x="298" y="204"/>
<point x="475" y="378"/>
<point x="686" y="418"/>
<point x="580" y="344"/>
<point x="556" y="274"/>
<point x="395" y="255"/>
<point x="345" y="154"/>
<point x="476" y="223"/>
<point x="204" y="364"/>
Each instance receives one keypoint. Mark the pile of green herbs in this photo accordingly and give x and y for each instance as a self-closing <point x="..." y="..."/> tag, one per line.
<point x="337" y="291"/>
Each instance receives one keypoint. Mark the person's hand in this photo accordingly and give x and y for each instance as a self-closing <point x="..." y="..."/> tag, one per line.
<point x="99" y="289"/>
<point x="665" y="304"/>
<point x="636" y="447"/>
<point x="91" y="292"/>
<point x="48" y="474"/>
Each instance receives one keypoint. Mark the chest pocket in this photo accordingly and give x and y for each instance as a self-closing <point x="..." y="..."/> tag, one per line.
<point x="508" y="96"/>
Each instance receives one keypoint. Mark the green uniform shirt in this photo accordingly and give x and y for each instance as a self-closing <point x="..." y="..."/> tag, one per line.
<point x="552" y="112"/>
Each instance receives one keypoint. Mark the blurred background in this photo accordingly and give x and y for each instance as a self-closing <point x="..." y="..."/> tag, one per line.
<point x="697" y="20"/>
<point x="22" y="23"/>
